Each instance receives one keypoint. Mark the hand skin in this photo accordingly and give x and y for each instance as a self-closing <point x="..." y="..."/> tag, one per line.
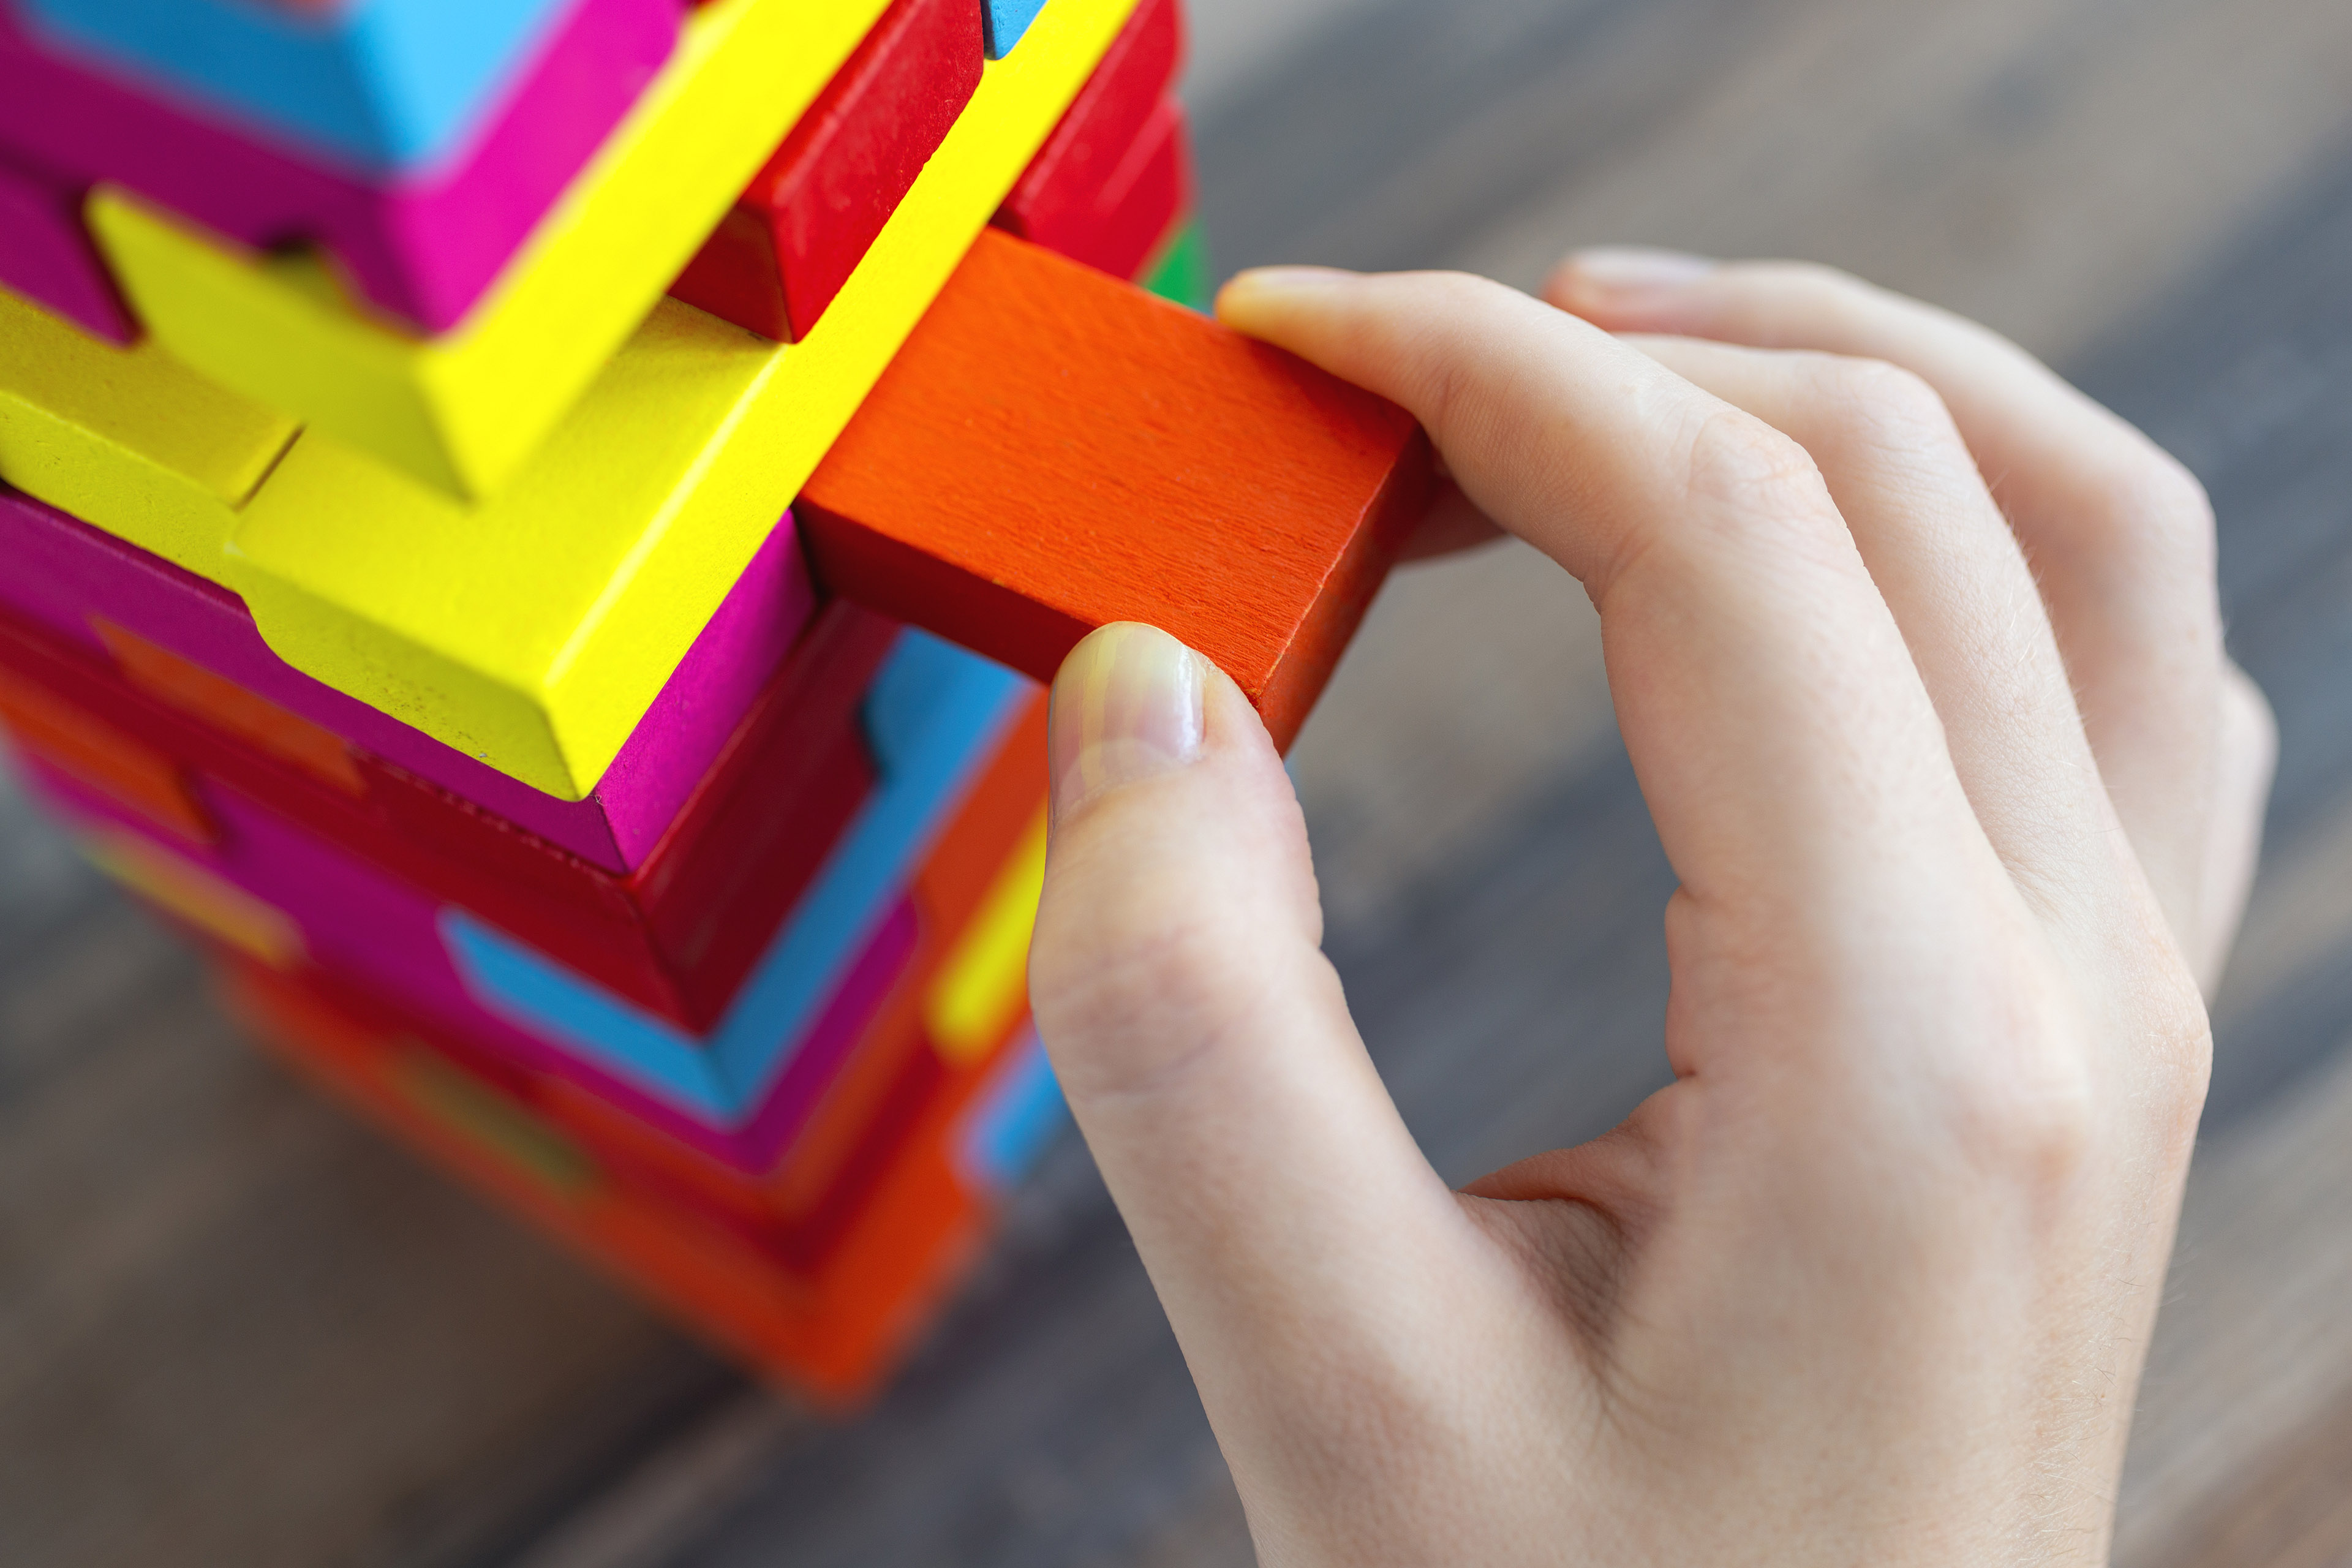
<point x="1918" y="656"/>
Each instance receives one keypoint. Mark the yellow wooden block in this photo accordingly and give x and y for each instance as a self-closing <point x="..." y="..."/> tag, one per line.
<point x="533" y="631"/>
<point x="466" y="621"/>
<point x="985" y="982"/>
<point x="131" y="436"/>
<point x="465" y="409"/>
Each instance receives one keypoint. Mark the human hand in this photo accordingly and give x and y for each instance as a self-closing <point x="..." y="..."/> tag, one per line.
<point x="1963" y="796"/>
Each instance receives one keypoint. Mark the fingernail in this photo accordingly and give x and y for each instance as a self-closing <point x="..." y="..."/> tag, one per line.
<point x="1284" y="279"/>
<point x="1633" y="267"/>
<point x="1272" y="285"/>
<point x="1128" y="706"/>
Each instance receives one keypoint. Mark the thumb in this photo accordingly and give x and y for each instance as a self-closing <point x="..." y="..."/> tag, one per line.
<point x="1200" y="1036"/>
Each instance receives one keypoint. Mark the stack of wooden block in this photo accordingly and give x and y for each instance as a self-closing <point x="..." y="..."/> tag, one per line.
<point x="532" y="527"/>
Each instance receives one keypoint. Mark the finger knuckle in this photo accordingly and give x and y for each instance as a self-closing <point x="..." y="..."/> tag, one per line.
<point x="2046" y="1100"/>
<point x="2033" y="1122"/>
<point x="2250" y="731"/>
<point x="2173" y="1049"/>
<point x="1882" y="404"/>
<point x="1740" y="462"/>
<point x="2152" y="502"/>
<point x="1765" y="492"/>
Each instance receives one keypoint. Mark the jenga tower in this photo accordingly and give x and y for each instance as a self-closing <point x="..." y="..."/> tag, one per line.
<point x="532" y="528"/>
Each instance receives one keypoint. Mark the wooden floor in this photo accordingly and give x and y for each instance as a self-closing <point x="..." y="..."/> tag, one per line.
<point x="235" y="1328"/>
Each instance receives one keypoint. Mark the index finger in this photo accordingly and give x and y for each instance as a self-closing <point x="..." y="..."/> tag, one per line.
<point x="1782" y="737"/>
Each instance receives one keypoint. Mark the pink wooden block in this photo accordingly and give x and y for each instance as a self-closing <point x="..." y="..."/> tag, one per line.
<point x="379" y="933"/>
<point x="46" y="256"/>
<point x="65" y="571"/>
<point x="424" y="246"/>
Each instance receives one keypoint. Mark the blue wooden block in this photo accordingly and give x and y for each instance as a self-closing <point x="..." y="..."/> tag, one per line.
<point x="935" y="716"/>
<point x="377" y="86"/>
<point x="1005" y="21"/>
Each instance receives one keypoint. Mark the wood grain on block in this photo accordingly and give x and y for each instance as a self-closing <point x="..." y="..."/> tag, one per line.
<point x="1055" y="450"/>
<point x="463" y="409"/>
<point x="676" y="938"/>
<point x="47" y="256"/>
<point x="379" y="86"/>
<point x="807" y="218"/>
<point x="1063" y="185"/>
<point x="129" y="437"/>
<point x="532" y="632"/>
<point x="76" y="575"/>
<point x="422" y="245"/>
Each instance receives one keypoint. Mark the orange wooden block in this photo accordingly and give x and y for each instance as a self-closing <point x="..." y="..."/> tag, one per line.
<point x="1055" y="449"/>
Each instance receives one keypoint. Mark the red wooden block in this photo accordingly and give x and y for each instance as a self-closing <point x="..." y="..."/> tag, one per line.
<point x="1053" y="451"/>
<point x="1058" y="196"/>
<point x="1151" y="193"/>
<point x="675" y="936"/>
<point x="804" y="224"/>
<point x="82" y="745"/>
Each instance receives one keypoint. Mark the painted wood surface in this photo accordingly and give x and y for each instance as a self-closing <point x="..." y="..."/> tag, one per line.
<point x="75" y="573"/>
<point x="934" y="717"/>
<point x="47" y="256"/>
<point x="805" y="221"/>
<point x="526" y="1413"/>
<point x="1131" y="460"/>
<point x="1058" y="193"/>
<point x="129" y="437"/>
<point x="791" y="1163"/>
<point x="795" y="1241"/>
<point x="375" y="85"/>
<point x="1135" y="216"/>
<point x="351" y="920"/>
<point x="358" y="921"/>
<point x="805" y="1132"/>
<point x="1008" y="22"/>
<point x="423" y="245"/>
<point x="676" y="937"/>
<point x="120" y="764"/>
<point x="533" y="633"/>
<point x="463" y="409"/>
<point x="830" y="1331"/>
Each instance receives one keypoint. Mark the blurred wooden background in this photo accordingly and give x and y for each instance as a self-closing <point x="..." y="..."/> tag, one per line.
<point x="235" y="1328"/>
